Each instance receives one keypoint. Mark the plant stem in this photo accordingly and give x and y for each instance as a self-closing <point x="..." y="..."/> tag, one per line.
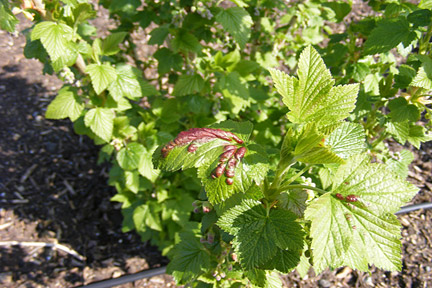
<point x="294" y="186"/>
<point x="379" y="140"/>
<point x="292" y="179"/>
<point x="423" y="47"/>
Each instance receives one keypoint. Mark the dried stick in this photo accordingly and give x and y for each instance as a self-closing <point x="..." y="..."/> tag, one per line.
<point x="55" y="246"/>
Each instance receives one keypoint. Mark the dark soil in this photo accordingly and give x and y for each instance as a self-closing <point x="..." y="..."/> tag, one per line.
<point x="52" y="191"/>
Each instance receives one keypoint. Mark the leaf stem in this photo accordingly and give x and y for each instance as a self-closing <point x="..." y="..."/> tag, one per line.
<point x="302" y="186"/>
<point x="423" y="47"/>
<point x="300" y="173"/>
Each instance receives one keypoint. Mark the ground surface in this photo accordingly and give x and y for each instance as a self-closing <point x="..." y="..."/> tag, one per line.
<point x="52" y="191"/>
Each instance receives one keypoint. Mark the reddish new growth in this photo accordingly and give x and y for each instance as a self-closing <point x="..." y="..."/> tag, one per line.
<point x="197" y="136"/>
<point x="228" y="161"/>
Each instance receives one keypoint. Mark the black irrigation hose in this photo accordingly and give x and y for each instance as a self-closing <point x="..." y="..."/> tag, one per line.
<point x="410" y="208"/>
<point x="158" y="271"/>
<point x="126" y="279"/>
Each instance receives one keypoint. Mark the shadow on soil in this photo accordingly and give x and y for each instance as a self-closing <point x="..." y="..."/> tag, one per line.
<point x="50" y="178"/>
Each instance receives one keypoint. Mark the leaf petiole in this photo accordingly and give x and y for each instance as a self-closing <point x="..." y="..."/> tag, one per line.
<point x="301" y="186"/>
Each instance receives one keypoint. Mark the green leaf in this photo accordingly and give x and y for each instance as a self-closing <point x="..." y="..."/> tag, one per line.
<point x="422" y="80"/>
<point x="168" y="60"/>
<point x="417" y="135"/>
<point x="101" y="76"/>
<point x="377" y="188"/>
<point x="185" y="41"/>
<point x="82" y="12"/>
<point x="424" y="74"/>
<point x="232" y="86"/>
<point x="425" y="4"/>
<point x="237" y="22"/>
<point x="110" y="43"/>
<point x="190" y="259"/>
<point x="307" y="145"/>
<point x="129" y="157"/>
<point x="188" y="84"/>
<point x="252" y="169"/>
<point x="387" y="35"/>
<point x="294" y="201"/>
<point x="144" y="216"/>
<point x="66" y="104"/>
<point x="342" y="231"/>
<point x="101" y="122"/>
<point x="259" y="234"/>
<point x="145" y="167"/>
<point x="312" y="97"/>
<point x="126" y="84"/>
<point x="127" y="6"/>
<point x="399" y="163"/>
<point x="132" y="181"/>
<point x="235" y="92"/>
<point x="8" y="21"/>
<point x="405" y="76"/>
<point x="347" y="140"/>
<point x="401" y="111"/>
<point x="56" y="39"/>
<point x="399" y="130"/>
<point x="340" y="8"/>
<point x="158" y="35"/>
<point x="284" y="261"/>
<point x="329" y="232"/>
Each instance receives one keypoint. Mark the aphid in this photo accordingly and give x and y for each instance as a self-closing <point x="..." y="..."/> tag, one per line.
<point x="339" y="196"/>
<point x="354" y="227"/>
<point x="229" y="181"/>
<point x="348" y="217"/>
<point x="351" y="198"/>
<point x="240" y="153"/>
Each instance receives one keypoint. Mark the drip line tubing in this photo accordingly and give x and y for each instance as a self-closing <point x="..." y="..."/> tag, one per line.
<point x="161" y="270"/>
<point x="126" y="279"/>
<point x="410" y="208"/>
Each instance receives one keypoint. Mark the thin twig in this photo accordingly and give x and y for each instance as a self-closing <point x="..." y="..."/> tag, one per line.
<point x="43" y="244"/>
<point x="5" y="225"/>
<point x="28" y="173"/>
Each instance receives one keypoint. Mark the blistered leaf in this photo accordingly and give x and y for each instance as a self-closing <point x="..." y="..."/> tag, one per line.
<point x="227" y="162"/>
